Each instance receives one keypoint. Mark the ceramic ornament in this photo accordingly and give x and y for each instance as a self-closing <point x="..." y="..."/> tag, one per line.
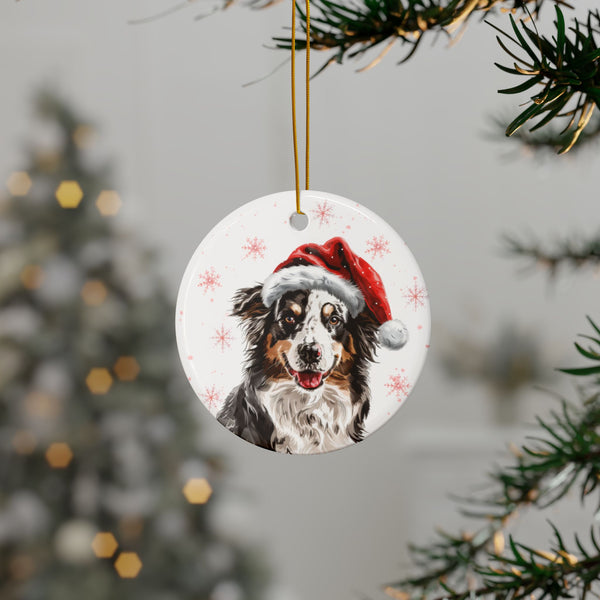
<point x="302" y="341"/>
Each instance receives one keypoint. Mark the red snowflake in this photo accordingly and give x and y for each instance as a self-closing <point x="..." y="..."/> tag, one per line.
<point x="398" y="386"/>
<point x="323" y="213"/>
<point x="378" y="246"/>
<point x="415" y="295"/>
<point x="222" y="338"/>
<point x="254" y="247"/>
<point x="210" y="280"/>
<point x="211" y="396"/>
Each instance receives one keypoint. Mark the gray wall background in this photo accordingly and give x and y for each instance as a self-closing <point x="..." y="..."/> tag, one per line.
<point x="191" y="144"/>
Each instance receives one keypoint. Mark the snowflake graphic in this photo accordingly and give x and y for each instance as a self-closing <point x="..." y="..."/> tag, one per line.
<point x="415" y="295"/>
<point x="323" y="213"/>
<point x="210" y="280"/>
<point x="222" y="338"/>
<point x="378" y="246"/>
<point x="254" y="247"/>
<point x="211" y="396"/>
<point x="398" y="386"/>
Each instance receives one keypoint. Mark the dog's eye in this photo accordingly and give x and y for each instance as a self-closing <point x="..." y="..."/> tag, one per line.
<point x="334" y="320"/>
<point x="289" y="319"/>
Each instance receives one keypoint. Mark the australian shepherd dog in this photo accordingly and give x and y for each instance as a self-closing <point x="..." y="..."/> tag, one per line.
<point x="306" y="384"/>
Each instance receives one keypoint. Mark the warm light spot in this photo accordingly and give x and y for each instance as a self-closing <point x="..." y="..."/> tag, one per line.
<point x="498" y="542"/>
<point x="69" y="194"/>
<point x="32" y="277"/>
<point x="131" y="528"/>
<point x="127" y="368"/>
<point x="99" y="381"/>
<point x="59" y="455"/>
<point x="104" y="544"/>
<point x="24" y="442"/>
<point x="94" y="292"/>
<point x="128" y="565"/>
<point x="197" y="491"/>
<point x="18" y="183"/>
<point x="108" y="203"/>
<point x="83" y="136"/>
<point x="41" y="405"/>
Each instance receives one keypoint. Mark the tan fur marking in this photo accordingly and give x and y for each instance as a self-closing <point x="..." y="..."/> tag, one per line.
<point x="274" y="364"/>
<point x="339" y="376"/>
<point x="295" y="308"/>
<point x="276" y="350"/>
<point x="327" y="310"/>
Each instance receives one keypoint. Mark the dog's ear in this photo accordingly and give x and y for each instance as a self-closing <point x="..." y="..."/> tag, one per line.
<point x="247" y="302"/>
<point x="364" y="334"/>
<point x="248" y="305"/>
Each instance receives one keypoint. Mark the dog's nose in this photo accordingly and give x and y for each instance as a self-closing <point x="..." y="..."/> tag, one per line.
<point x="310" y="353"/>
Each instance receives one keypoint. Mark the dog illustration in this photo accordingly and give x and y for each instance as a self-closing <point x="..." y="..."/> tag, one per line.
<point x="312" y="330"/>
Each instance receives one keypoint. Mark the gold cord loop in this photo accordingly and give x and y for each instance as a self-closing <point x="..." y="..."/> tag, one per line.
<point x="294" y="127"/>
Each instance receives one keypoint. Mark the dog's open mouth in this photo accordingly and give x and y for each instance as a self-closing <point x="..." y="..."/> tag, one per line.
<point x="309" y="380"/>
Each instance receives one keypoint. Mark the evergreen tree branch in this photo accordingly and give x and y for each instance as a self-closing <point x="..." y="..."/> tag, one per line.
<point x="573" y="253"/>
<point x="565" y="454"/>
<point x="566" y="68"/>
<point x="351" y="29"/>
<point x="548" y="140"/>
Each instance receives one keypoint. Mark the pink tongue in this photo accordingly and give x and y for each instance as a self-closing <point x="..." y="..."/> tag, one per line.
<point x="309" y="379"/>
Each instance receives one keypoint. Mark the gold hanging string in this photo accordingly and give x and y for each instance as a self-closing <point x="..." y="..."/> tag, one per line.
<point x="294" y="127"/>
<point x="307" y="138"/>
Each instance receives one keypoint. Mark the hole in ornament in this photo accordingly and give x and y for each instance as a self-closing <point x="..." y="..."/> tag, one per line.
<point x="299" y="221"/>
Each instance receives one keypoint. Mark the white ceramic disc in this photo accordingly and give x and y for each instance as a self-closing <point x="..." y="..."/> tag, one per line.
<point x="302" y="341"/>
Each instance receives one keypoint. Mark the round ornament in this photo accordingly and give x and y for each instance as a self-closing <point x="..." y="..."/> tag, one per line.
<point x="302" y="341"/>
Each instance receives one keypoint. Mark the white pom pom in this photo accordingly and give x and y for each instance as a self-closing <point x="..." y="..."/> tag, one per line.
<point x="393" y="334"/>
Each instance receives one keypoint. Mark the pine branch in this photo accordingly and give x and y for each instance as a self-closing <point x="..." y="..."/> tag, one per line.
<point x="566" y="453"/>
<point x="576" y="254"/>
<point x="549" y="140"/>
<point x="350" y="29"/>
<point x="566" y="67"/>
<point x="520" y="572"/>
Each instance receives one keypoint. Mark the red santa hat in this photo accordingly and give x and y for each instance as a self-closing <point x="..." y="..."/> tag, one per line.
<point x="333" y="267"/>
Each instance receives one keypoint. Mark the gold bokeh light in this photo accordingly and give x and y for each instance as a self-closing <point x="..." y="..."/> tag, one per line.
<point x="127" y="368"/>
<point x="59" y="455"/>
<point x="104" y="544"/>
<point x="94" y="292"/>
<point x="69" y="194"/>
<point x="197" y="491"/>
<point x="99" y="381"/>
<point x="18" y="183"/>
<point x="108" y="203"/>
<point x="128" y="565"/>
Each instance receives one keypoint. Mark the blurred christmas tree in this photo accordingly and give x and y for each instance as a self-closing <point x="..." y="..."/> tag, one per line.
<point x="105" y="491"/>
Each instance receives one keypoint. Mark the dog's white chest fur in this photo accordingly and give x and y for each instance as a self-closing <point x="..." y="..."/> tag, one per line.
<point x="308" y="421"/>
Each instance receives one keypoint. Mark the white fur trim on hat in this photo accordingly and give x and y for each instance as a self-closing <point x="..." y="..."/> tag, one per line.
<point x="311" y="277"/>
<point x="393" y="334"/>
